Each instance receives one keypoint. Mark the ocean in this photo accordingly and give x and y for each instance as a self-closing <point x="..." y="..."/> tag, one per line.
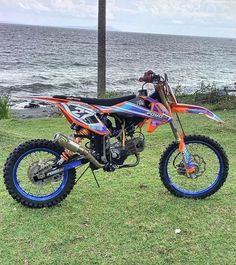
<point x="48" y="60"/>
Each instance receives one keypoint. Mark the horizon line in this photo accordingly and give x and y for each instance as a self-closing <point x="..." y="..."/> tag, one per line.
<point x="92" y="28"/>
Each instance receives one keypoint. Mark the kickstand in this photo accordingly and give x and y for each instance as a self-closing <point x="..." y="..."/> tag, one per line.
<point x="82" y="174"/>
<point x="95" y="178"/>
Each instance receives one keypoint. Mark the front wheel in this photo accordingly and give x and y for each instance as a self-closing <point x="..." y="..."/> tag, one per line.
<point x="211" y="168"/>
<point x="24" y="175"/>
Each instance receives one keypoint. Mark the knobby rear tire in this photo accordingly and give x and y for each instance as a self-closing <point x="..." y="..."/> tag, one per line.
<point x="8" y="174"/>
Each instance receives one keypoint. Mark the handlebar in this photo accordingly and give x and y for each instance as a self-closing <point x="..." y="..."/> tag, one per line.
<point x="162" y="88"/>
<point x="149" y="77"/>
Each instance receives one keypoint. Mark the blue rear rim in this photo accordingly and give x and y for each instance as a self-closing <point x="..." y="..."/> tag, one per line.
<point x="200" y="192"/>
<point x="31" y="196"/>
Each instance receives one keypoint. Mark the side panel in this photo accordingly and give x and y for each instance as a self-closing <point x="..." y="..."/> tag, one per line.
<point x="193" y="109"/>
<point x="153" y="124"/>
<point x="129" y="109"/>
<point x="81" y="114"/>
<point x="159" y="108"/>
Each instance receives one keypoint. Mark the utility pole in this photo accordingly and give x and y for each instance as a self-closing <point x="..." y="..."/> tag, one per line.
<point x="101" y="87"/>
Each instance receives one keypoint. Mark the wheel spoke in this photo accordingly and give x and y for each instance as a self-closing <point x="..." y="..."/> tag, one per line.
<point x="206" y="163"/>
<point x="27" y="183"/>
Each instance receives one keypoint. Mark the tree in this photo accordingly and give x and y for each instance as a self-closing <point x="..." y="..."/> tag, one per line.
<point x="101" y="86"/>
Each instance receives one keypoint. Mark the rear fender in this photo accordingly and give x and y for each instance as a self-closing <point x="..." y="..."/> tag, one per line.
<point x="84" y="116"/>
<point x="193" y="109"/>
<point x="46" y="99"/>
<point x="77" y="112"/>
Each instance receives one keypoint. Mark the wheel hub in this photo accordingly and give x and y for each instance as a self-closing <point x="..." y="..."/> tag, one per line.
<point x="37" y="173"/>
<point x="199" y="167"/>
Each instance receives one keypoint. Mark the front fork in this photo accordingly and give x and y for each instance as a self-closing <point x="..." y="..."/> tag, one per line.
<point x="188" y="163"/>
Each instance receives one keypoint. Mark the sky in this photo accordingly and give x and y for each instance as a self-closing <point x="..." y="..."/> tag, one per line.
<point x="214" y="18"/>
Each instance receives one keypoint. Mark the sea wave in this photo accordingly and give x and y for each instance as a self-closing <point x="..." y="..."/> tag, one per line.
<point x="125" y="81"/>
<point x="38" y="61"/>
<point x="47" y="88"/>
<point x="80" y="64"/>
<point x="41" y="77"/>
<point x="68" y="85"/>
<point x="32" y="88"/>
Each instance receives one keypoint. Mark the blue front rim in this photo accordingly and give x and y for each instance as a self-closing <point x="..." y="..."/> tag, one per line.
<point x="32" y="196"/>
<point x="199" y="192"/>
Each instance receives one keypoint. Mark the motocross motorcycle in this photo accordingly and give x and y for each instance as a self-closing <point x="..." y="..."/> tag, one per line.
<point x="41" y="173"/>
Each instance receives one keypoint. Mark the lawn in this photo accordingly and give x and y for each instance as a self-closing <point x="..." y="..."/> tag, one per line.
<point x="131" y="219"/>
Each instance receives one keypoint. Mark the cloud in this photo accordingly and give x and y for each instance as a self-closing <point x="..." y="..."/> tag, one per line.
<point x="136" y="15"/>
<point x="24" y="6"/>
<point x="32" y="5"/>
<point x="116" y="8"/>
<point x="72" y="8"/>
<point x="190" y="11"/>
<point x="75" y="8"/>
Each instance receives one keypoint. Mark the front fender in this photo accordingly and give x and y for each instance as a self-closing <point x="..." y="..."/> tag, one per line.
<point x="193" y="109"/>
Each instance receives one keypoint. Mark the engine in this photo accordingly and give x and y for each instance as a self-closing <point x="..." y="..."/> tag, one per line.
<point x="121" y="127"/>
<point x="133" y="146"/>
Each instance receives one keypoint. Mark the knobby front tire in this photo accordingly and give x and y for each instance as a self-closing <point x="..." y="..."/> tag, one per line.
<point x="21" y="187"/>
<point x="213" y="165"/>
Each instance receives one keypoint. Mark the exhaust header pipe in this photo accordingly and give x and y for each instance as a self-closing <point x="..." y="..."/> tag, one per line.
<point x="65" y="142"/>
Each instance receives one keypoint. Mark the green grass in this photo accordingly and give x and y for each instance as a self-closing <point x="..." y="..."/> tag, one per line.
<point x="131" y="219"/>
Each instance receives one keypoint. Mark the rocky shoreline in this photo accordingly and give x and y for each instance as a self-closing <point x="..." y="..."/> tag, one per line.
<point x="39" y="112"/>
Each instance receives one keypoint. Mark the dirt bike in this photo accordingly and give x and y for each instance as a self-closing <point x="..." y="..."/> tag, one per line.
<point x="41" y="173"/>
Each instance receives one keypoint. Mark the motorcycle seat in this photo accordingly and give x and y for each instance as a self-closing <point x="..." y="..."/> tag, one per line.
<point x="106" y="101"/>
<point x="101" y="101"/>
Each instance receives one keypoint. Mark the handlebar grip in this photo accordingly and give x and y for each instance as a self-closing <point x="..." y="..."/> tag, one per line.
<point x="141" y="79"/>
<point x="149" y="77"/>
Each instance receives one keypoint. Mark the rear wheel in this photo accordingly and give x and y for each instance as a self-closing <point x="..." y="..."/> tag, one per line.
<point x="24" y="175"/>
<point x="211" y="168"/>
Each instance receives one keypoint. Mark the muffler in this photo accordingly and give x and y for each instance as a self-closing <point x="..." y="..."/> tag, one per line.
<point x="65" y="142"/>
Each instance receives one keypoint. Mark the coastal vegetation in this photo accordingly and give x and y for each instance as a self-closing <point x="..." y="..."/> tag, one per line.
<point x="208" y="95"/>
<point x="131" y="219"/>
<point x="4" y="108"/>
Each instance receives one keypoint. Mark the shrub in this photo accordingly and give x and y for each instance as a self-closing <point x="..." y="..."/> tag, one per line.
<point x="112" y="94"/>
<point x="4" y="108"/>
<point x="209" y="96"/>
<point x="208" y="93"/>
<point x="179" y="91"/>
